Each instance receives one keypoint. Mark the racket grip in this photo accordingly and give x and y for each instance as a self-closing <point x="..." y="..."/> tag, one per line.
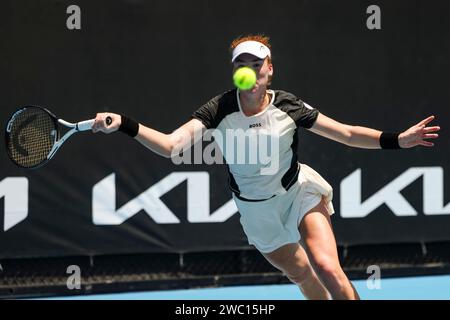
<point x="85" y="125"/>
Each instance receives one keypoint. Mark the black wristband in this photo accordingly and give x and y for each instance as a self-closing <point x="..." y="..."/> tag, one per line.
<point x="129" y="126"/>
<point x="389" y="140"/>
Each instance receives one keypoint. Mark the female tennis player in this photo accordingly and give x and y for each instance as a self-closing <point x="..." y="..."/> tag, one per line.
<point x="286" y="214"/>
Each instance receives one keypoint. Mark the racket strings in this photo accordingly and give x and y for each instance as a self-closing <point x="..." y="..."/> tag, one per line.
<point x="32" y="137"/>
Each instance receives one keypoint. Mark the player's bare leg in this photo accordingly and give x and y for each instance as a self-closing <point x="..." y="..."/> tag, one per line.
<point x="320" y="245"/>
<point x="293" y="261"/>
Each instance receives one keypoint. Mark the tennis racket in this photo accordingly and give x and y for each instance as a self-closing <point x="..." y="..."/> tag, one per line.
<point x="33" y="133"/>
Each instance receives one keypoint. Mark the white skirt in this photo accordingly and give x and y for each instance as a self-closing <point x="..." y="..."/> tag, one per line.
<point x="272" y="223"/>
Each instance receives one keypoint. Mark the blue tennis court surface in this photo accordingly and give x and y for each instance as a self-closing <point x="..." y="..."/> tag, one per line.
<point x="410" y="288"/>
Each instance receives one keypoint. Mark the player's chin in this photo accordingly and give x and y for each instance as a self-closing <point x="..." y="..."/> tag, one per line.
<point x="252" y="90"/>
<point x="255" y="88"/>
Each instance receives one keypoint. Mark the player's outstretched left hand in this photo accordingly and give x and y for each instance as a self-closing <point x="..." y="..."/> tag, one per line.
<point x="417" y="135"/>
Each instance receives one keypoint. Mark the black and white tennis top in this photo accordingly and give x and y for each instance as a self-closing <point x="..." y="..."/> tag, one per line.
<point x="275" y="128"/>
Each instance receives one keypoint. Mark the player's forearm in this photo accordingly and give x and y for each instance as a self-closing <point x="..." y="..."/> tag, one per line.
<point x="154" y="140"/>
<point x="362" y="137"/>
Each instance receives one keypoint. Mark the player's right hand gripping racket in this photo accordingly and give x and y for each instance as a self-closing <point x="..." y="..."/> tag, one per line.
<point x="33" y="135"/>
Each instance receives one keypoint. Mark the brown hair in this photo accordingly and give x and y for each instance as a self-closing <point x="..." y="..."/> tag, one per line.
<point x="258" y="37"/>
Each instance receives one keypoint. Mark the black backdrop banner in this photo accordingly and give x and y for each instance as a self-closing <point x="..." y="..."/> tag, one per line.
<point x="157" y="61"/>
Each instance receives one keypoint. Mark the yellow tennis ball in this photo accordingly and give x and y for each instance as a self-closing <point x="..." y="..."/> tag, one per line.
<point x="244" y="78"/>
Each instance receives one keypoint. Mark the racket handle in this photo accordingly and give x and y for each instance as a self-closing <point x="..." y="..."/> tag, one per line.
<point x="85" y="125"/>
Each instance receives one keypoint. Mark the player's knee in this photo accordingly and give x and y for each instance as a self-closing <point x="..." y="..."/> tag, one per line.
<point x="300" y="275"/>
<point x="329" y="269"/>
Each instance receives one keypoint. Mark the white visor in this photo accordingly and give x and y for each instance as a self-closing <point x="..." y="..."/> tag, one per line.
<point x="252" y="47"/>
